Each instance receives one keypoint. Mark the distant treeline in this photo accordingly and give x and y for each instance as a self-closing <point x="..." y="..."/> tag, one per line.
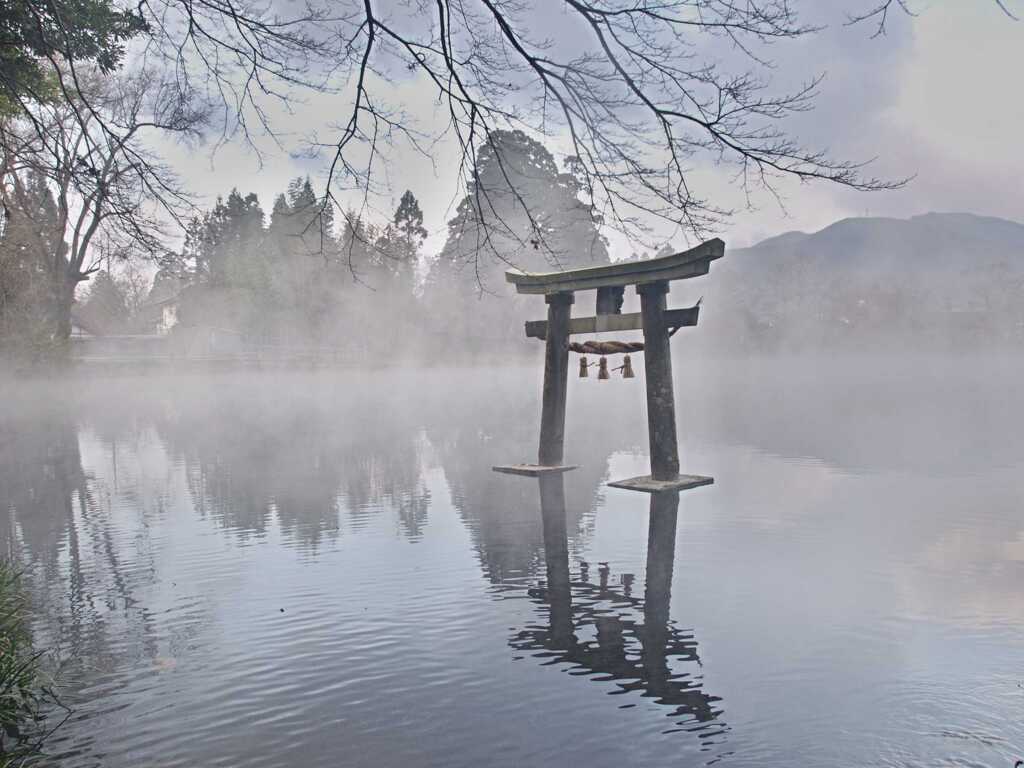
<point x="308" y="277"/>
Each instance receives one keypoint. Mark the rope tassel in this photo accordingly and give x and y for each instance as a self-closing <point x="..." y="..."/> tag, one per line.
<point x="583" y="368"/>
<point x="606" y="347"/>
<point x="627" y="368"/>
<point x="602" y="372"/>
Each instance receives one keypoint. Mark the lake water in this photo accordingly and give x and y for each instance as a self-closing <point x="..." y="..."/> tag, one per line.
<point x="322" y="569"/>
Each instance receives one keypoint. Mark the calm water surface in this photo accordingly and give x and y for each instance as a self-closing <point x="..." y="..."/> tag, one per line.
<point x="322" y="570"/>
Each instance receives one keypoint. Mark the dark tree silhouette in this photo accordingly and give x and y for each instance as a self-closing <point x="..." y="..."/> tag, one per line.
<point x="409" y="218"/>
<point x="34" y="33"/>
<point x="27" y="239"/>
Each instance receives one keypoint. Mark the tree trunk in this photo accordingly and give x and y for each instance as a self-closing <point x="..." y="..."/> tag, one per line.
<point x="64" y="299"/>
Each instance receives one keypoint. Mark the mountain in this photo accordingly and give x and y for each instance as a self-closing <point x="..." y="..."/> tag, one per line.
<point x="940" y="279"/>
<point x="931" y="242"/>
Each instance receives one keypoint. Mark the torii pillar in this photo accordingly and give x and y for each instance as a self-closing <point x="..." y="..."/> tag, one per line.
<point x="661" y="404"/>
<point x="556" y="381"/>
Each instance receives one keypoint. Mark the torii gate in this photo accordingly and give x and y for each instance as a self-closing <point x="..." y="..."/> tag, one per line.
<point x="651" y="278"/>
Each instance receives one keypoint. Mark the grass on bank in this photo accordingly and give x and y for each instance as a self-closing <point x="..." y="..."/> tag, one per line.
<point x="25" y="697"/>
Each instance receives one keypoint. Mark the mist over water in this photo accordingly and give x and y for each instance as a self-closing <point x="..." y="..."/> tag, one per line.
<point x="264" y="274"/>
<point x="322" y="569"/>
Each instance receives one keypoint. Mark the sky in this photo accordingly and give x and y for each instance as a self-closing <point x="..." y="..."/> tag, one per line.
<point x="937" y="98"/>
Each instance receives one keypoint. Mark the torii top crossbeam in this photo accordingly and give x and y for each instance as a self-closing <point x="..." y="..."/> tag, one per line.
<point x="651" y="278"/>
<point x="678" y="266"/>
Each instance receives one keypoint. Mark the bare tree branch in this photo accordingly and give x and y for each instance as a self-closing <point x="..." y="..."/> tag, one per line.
<point x="105" y="181"/>
<point x="637" y="90"/>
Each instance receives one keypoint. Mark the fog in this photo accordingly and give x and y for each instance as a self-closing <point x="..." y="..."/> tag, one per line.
<point x="272" y="473"/>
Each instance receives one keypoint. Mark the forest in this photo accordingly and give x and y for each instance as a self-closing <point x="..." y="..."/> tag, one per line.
<point x="305" y="276"/>
<point x="347" y="288"/>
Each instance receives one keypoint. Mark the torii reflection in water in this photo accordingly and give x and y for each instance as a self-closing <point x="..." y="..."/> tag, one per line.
<point x="634" y="654"/>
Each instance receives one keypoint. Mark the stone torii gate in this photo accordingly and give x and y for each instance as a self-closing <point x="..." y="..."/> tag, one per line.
<point x="651" y="278"/>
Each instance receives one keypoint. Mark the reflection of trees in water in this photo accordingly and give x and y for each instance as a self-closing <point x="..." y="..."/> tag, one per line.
<point x="251" y="453"/>
<point x="84" y="575"/>
<point x="599" y="627"/>
<point x="472" y="427"/>
<point x="384" y="466"/>
<point x="83" y="537"/>
<point x="40" y="471"/>
<point x="488" y="422"/>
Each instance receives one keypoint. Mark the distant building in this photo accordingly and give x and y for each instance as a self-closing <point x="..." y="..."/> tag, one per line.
<point x="168" y="318"/>
<point x="82" y="327"/>
<point x="158" y="317"/>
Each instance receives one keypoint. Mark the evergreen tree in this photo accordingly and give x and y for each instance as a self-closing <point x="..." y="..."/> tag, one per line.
<point x="28" y="242"/>
<point x="239" y="223"/>
<point x="280" y="213"/>
<point x="398" y="245"/>
<point x="519" y="211"/>
<point x="276" y="283"/>
<point x="492" y="229"/>
<point x="358" y="248"/>
<point x="33" y="34"/>
<point x="312" y="218"/>
<point x="395" y="255"/>
<point x="308" y="273"/>
<point x="105" y="308"/>
<point x="232" y="281"/>
<point x="409" y="222"/>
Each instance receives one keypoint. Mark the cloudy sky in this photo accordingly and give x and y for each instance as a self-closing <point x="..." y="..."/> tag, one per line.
<point x="938" y="97"/>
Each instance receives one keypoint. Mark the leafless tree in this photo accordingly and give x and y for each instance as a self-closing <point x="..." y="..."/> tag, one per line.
<point x="113" y="195"/>
<point x="878" y="13"/>
<point x="639" y="89"/>
<point x="636" y="87"/>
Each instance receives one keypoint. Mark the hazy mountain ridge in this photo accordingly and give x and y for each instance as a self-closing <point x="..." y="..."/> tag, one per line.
<point x="939" y="278"/>
<point x="933" y="236"/>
